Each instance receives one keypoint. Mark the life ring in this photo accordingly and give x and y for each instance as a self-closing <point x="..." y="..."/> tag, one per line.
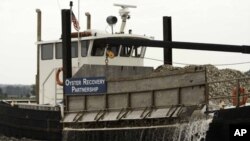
<point x="58" y="81"/>
<point x="243" y="98"/>
<point x="110" y="54"/>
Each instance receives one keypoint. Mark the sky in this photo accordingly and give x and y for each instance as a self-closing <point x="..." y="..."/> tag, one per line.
<point x="208" y="21"/>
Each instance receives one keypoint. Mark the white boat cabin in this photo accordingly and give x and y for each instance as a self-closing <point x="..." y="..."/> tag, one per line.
<point x="86" y="50"/>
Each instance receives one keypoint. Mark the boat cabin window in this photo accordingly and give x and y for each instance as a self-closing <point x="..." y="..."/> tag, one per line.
<point x="74" y="50"/>
<point x="98" y="48"/>
<point x="84" y="48"/>
<point x="137" y="51"/>
<point x="47" y="51"/>
<point x="126" y="51"/>
<point x="58" y="50"/>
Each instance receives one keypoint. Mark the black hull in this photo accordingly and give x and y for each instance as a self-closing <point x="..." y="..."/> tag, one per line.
<point x="45" y="125"/>
<point x="219" y="129"/>
<point x="28" y="123"/>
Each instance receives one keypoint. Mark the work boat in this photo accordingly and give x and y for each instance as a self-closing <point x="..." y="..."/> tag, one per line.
<point x="111" y="94"/>
<point x="99" y="89"/>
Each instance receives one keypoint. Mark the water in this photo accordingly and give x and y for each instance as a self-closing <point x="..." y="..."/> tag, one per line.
<point x="193" y="131"/>
<point x="4" y="138"/>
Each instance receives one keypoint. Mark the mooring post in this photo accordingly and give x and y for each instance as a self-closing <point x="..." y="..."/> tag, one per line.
<point x="167" y="36"/>
<point x="66" y="49"/>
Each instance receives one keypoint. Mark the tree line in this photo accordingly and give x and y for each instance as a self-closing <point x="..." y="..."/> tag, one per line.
<point x="16" y="91"/>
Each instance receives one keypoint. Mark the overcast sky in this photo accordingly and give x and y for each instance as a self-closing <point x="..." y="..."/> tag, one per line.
<point x="209" y="21"/>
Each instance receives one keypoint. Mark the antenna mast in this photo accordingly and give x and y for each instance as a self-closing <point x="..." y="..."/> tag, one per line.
<point x="124" y="13"/>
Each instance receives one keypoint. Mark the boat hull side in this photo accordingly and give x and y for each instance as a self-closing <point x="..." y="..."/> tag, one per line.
<point x="28" y="123"/>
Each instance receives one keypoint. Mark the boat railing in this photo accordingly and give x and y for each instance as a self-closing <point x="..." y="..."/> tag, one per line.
<point x="218" y="96"/>
<point x="38" y="107"/>
<point x="58" y="90"/>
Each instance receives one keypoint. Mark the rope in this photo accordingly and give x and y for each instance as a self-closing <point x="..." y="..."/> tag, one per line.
<point x="179" y="63"/>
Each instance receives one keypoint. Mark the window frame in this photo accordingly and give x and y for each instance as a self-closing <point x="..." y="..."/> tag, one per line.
<point x="56" y="49"/>
<point x="138" y="55"/>
<point x="51" y="57"/>
<point x="76" y="47"/>
<point x="61" y="56"/>
<point x="87" y="46"/>
<point x="130" y="51"/>
<point x="93" y="52"/>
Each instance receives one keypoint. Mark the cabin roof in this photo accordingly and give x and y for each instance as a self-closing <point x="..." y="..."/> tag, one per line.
<point x="98" y="35"/>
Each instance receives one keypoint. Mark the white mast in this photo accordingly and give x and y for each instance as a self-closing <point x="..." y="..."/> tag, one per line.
<point x="78" y="36"/>
<point x="124" y="13"/>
